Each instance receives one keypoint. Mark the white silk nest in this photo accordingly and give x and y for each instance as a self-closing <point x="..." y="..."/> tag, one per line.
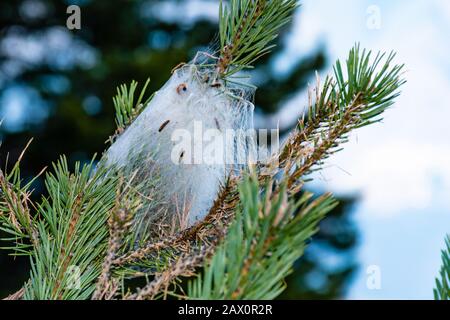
<point x="193" y="134"/>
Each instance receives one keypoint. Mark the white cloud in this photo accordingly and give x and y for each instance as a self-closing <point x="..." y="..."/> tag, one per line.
<point x="393" y="176"/>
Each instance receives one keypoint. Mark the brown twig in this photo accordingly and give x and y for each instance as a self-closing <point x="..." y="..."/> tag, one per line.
<point x="119" y="223"/>
<point x="17" y="295"/>
<point x="184" y="266"/>
<point x="208" y="232"/>
<point x="67" y="256"/>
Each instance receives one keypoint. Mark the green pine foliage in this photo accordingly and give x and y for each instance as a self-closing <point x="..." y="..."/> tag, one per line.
<point x="268" y="235"/>
<point x="442" y="290"/>
<point x="126" y="108"/>
<point x="72" y="233"/>
<point x="16" y="219"/>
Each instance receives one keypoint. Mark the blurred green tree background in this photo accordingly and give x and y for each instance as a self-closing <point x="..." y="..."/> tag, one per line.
<point x="56" y="85"/>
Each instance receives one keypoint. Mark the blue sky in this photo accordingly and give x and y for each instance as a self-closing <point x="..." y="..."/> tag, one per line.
<point x="400" y="168"/>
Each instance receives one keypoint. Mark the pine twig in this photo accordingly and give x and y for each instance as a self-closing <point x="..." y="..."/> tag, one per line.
<point x="126" y="109"/>
<point x="442" y="290"/>
<point x="119" y="222"/>
<point x="247" y="28"/>
<point x="16" y="296"/>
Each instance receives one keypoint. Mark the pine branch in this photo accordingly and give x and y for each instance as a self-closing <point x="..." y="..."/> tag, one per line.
<point x="162" y="255"/>
<point x="16" y="296"/>
<point x="442" y="290"/>
<point x="344" y="103"/>
<point x="72" y="233"/>
<point x="16" y="218"/>
<point x="247" y="29"/>
<point x="127" y="110"/>
<point x="266" y="238"/>
<point x="119" y="222"/>
<point x="184" y="266"/>
<point x="212" y="227"/>
<point x="255" y="230"/>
